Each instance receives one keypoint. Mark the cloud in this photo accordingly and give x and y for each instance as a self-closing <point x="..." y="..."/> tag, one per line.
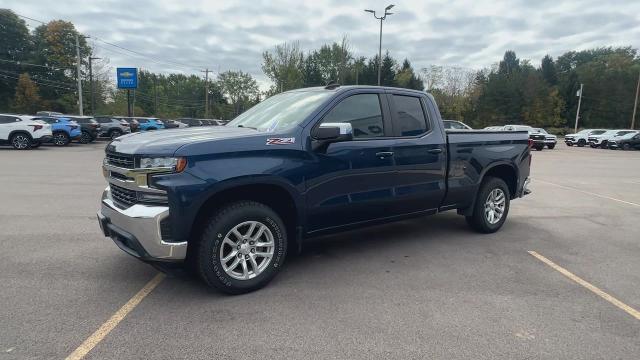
<point x="233" y="35"/>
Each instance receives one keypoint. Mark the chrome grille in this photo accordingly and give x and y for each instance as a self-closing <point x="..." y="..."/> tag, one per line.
<point x="120" y="160"/>
<point x="123" y="197"/>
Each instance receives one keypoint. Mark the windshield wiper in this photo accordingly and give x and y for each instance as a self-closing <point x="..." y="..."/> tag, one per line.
<point x="248" y="127"/>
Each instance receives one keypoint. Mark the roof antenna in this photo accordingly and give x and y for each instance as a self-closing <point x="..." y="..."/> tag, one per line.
<point x="332" y="84"/>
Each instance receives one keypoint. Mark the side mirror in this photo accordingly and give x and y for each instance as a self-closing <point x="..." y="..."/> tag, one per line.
<point x="328" y="133"/>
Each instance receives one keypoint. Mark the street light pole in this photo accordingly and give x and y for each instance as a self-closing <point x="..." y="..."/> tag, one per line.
<point x="79" y="80"/>
<point x="578" y="111"/>
<point x="382" y="18"/>
<point x="93" y="97"/>
<point x="635" y="105"/>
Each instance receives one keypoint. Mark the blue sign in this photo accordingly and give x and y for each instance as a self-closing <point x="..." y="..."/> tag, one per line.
<point x="127" y="78"/>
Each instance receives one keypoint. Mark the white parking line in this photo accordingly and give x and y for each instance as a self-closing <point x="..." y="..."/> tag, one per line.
<point x="588" y="193"/>
<point x="114" y="320"/>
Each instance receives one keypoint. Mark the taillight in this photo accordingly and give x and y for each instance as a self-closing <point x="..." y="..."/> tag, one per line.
<point x="530" y="143"/>
<point x="36" y="127"/>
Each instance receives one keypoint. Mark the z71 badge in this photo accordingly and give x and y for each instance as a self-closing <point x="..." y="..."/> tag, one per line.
<point x="281" y="141"/>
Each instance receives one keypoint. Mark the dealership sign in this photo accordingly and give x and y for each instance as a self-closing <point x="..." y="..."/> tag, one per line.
<point x="127" y="78"/>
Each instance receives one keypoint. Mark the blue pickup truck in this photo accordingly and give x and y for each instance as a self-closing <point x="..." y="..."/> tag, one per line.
<point x="231" y="201"/>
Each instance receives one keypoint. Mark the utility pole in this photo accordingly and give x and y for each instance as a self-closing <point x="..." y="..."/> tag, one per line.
<point x="578" y="111"/>
<point x="93" y="96"/>
<point x="79" y="80"/>
<point x="382" y="18"/>
<point x="155" y="95"/>
<point x="635" y="104"/>
<point x="206" y="92"/>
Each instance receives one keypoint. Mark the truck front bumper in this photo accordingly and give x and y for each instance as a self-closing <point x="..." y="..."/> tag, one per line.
<point x="136" y="230"/>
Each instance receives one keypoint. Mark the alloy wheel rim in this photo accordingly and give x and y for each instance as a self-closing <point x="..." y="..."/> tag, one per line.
<point x="59" y="139"/>
<point x="247" y="250"/>
<point x="494" y="206"/>
<point x="21" y="142"/>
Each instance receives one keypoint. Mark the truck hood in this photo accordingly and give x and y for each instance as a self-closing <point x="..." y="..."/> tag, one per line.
<point x="166" y="142"/>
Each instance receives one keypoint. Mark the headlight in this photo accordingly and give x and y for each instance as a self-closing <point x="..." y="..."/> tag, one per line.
<point x="176" y="164"/>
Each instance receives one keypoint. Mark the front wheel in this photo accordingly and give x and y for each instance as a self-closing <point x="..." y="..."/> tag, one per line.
<point x="61" y="139"/>
<point x="242" y="248"/>
<point x="491" y="207"/>
<point x="582" y="143"/>
<point x="626" y="146"/>
<point x="539" y="148"/>
<point x="551" y="146"/>
<point x="20" y="141"/>
<point x="85" y="138"/>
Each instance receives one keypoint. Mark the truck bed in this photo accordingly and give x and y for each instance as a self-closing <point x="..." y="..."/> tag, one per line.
<point x="471" y="152"/>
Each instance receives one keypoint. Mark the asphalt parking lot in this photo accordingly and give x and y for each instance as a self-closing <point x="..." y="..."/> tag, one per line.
<point x="425" y="288"/>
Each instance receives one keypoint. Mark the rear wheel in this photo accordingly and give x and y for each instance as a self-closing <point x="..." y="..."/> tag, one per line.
<point x="242" y="248"/>
<point x="21" y="141"/>
<point x="115" y="133"/>
<point x="60" y="139"/>
<point x="551" y="146"/>
<point x="491" y="206"/>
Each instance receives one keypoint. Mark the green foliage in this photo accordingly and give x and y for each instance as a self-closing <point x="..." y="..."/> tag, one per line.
<point x="240" y="88"/>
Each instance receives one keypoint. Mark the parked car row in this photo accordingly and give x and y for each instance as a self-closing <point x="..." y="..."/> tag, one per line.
<point x="31" y="131"/>
<point x="602" y="138"/>
<point x="538" y="137"/>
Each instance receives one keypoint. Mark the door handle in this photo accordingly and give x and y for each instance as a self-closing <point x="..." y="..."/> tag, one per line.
<point x="384" y="154"/>
<point x="435" y="151"/>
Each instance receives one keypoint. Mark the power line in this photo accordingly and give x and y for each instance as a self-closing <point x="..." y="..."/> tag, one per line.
<point x="56" y="82"/>
<point x="37" y="82"/>
<point x="161" y="62"/>
<point x="22" y="63"/>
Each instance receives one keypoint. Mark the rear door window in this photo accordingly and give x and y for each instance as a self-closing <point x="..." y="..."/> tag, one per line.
<point x="410" y="116"/>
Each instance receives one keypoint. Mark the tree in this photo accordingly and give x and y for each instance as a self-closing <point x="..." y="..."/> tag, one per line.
<point x="15" y="45"/>
<point x="548" y="70"/>
<point x="406" y="77"/>
<point x="509" y="64"/>
<point x="26" y="99"/>
<point x="284" y="66"/>
<point x="241" y="89"/>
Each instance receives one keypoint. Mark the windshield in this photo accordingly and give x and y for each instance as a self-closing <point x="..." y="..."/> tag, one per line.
<point x="620" y="133"/>
<point x="282" y="111"/>
<point x="541" y="131"/>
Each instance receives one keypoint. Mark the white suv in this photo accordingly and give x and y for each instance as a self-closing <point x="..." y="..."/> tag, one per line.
<point x="581" y="138"/>
<point x="21" y="131"/>
<point x="602" y="139"/>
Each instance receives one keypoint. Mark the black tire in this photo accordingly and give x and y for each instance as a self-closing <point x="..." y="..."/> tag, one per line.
<point x="569" y="144"/>
<point x="593" y="146"/>
<point x="218" y="228"/>
<point x="626" y="146"/>
<point x="582" y="142"/>
<point x="86" y="137"/>
<point x="61" y="138"/>
<point x="21" y="141"/>
<point x="604" y="145"/>
<point x="115" y="133"/>
<point x="151" y="129"/>
<point x="478" y="221"/>
<point x="35" y="144"/>
<point x="538" y="147"/>
<point x="550" y="147"/>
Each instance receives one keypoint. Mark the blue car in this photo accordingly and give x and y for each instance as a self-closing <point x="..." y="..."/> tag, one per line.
<point x="64" y="130"/>
<point x="148" y="124"/>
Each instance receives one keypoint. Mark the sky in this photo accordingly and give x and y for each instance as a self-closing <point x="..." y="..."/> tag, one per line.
<point x="187" y="36"/>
